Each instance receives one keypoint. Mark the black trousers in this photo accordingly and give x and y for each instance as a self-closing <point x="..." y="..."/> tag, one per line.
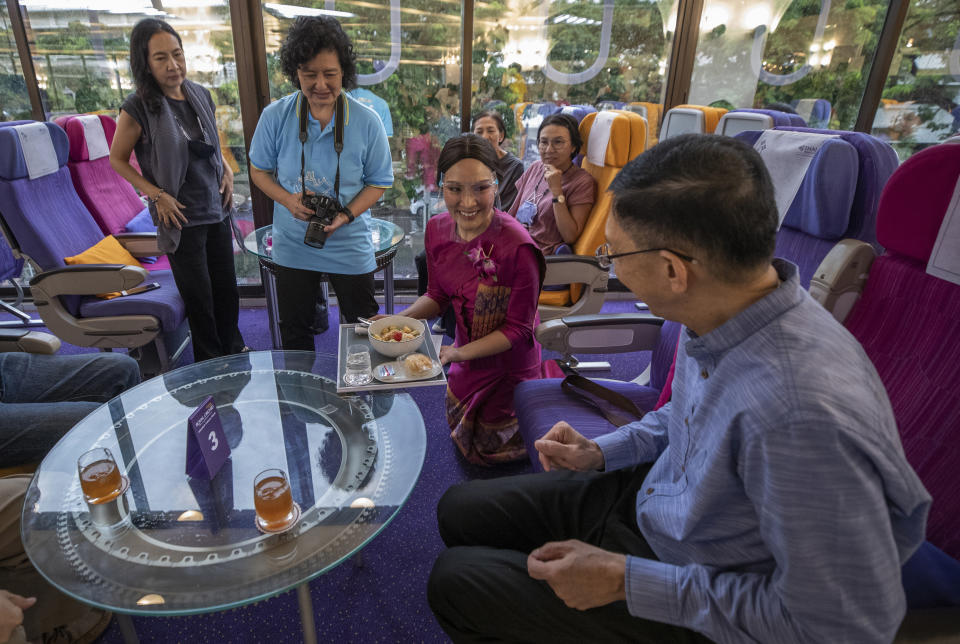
<point x="205" y="275"/>
<point x="479" y="589"/>
<point x="297" y="292"/>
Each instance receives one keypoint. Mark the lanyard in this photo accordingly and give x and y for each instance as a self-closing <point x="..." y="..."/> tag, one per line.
<point x="337" y="138"/>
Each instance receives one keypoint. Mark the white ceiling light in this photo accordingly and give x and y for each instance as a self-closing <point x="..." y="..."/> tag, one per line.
<point x="290" y="11"/>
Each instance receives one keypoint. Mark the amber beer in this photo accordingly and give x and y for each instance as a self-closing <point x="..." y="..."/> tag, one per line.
<point x="271" y="498"/>
<point x="99" y="475"/>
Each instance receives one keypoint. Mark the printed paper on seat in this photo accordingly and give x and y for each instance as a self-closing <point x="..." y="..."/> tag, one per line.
<point x="945" y="257"/>
<point x="787" y="156"/>
<point x="95" y="136"/>
<point x="37" y="148"/>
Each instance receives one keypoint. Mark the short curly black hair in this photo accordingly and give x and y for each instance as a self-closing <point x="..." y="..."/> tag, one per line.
<point x="307" y="37"/>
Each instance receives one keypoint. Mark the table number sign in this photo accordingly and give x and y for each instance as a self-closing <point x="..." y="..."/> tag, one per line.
<point x="207" y="448"/>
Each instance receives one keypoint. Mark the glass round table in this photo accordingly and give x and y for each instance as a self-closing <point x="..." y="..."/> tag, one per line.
<point x="190" y="545"/>
<point x="386" y="236"/>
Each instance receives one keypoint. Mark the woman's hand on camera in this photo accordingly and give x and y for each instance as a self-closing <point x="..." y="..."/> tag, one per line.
<point x="338" y="221"/>
<point x="168" y="211"/>
<point x="294" y="203"/>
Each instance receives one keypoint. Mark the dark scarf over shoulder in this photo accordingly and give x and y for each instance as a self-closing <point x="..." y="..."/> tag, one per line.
<point x="170" y="155"/>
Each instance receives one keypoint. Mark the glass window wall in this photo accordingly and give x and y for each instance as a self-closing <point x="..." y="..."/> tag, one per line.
<point x="811" y="55"/>
<point x="532" y="58"/>
<point x="14" y="100"/>
<point x="81" y="52"/>
<point x="921" y="100"/>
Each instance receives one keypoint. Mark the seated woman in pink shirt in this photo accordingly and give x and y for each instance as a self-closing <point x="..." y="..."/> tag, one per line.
<point x="554" y="197"/>
<point x="483" y="265"/>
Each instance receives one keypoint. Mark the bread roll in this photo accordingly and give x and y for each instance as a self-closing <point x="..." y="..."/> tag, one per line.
<point x="417" y="364"/>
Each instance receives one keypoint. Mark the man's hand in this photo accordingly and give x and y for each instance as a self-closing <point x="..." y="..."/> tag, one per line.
<point x="583" y="576"/>
<point x="11" y="612"/>
<point x="564" y="448"/>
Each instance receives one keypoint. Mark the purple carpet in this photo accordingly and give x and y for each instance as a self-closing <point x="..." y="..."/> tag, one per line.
<point x="381" y="597"/>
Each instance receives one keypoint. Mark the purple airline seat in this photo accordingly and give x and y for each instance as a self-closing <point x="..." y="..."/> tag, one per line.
<point x="49" y="222"/>
<point x="111" y="200"/>
<point x="908" y="322"/>
<point x="820" y="215"/>
<point x="876" y="161"/>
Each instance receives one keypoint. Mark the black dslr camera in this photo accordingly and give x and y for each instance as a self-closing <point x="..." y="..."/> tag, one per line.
<point x="324" y="210"/>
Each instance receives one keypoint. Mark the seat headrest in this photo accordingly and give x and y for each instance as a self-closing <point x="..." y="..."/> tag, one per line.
<point x="916" y="199"/>
<point x="88" y="132"/>
<point x="779" y="118"/>
<point x="613" y="137"/>
<point x="13" y="165"/>
<point x="824" y="201"/>
<point x="578" y="111"/>
<point x="711" y="115"/>
<point x="734" y="122"/>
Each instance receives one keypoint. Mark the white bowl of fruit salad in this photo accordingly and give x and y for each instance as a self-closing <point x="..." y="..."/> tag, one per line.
<point x="396" y="335"/>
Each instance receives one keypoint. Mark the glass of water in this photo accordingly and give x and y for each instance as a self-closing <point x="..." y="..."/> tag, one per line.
<point x="358" y="365"/>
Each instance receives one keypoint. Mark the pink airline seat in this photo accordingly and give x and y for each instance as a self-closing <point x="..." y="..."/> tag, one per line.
<point x="109" y="197"/>
<point x="908" y="322"/>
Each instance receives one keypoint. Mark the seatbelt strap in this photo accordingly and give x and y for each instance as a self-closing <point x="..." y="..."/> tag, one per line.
<point x="595" y="394"/>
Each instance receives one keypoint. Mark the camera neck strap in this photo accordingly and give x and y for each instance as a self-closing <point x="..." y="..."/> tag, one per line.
<point x="337" y="137"/>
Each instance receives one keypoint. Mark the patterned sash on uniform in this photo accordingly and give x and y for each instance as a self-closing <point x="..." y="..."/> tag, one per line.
<point x="490" y="309"/>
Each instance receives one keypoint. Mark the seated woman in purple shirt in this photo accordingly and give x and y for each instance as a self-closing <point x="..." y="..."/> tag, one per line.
<point x="554" y="197"/>
<point x="484" y="265"/>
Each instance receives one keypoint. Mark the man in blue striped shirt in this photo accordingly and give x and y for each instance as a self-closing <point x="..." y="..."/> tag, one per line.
<point x="769" y="501"/>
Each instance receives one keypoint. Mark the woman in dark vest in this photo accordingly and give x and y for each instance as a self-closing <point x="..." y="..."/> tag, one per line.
<point x="169" y="121"/>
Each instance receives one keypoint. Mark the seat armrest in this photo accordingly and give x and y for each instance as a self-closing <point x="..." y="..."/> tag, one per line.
<point x="86" y="279"/>
<point x="839" y="280"/>
<point x="139" y="244"/>
<point x="614" y="333"/>
<point x="573" y="269"/>
<point x="28" y="341"/>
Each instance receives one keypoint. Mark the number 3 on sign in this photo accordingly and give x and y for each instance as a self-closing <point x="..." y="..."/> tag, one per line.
<point x="214" y="443"/>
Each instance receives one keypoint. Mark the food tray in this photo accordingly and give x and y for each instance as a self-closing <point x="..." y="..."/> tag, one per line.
<point x="348" y="336"/>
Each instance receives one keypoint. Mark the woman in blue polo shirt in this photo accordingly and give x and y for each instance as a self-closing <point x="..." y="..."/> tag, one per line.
<point x="318" y="58"/>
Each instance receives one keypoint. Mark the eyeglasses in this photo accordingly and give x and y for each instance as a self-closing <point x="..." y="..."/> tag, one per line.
<point x="605" y="259"/>
<point x="556" y="144"/>
<point x="478" y="189"/>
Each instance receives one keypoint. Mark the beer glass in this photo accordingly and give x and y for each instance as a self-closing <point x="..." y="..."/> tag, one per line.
<point x="272" y="500"/>
<point x="100" y="477"/>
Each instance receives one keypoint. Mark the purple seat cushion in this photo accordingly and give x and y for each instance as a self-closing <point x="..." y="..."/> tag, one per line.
<point x="141" y="223"/>
<point x="10" y="266"/>
<point x="803" y="250"/>
<point x="65" y="229"/>
<point x="163" y="303"/>
<point x="661" y="359"/>
<point x="540" y="404"/>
